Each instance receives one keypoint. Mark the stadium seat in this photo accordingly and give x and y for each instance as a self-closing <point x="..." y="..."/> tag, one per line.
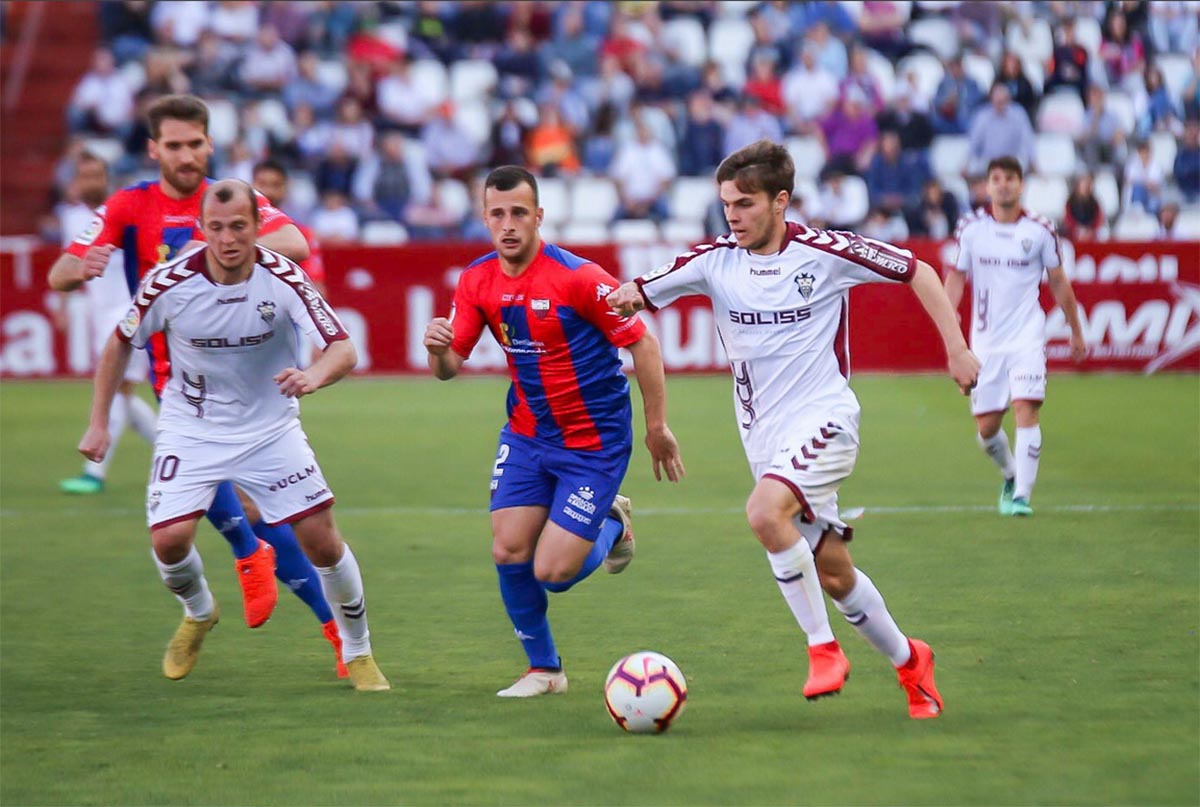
<point x="949" y="155"/>
<point x="979" y="68"/>
<point x="302" y="193"/>
<point x="691" y="197"/>
<point x="927" y="69"/>
<point x="431" y="75"/>
<point x="957" y="186"/>
<point x="808" y="155"/>
<point x="1053" y="154"/>
<point x="393" y="33"/>
<point x="1108" y="194"/>
<point x="554" y="199"/>
<point x="594" y="200"/>
<point x="1088" y="34"/>
<point x="109" y="149"/>
<point x="134" y="73"/>
<point x="273" y="115"/>
<point x="580" y="232"/>
<point x="1162" y="150"/>
<point x="884" y="72"/>
<point x="1061" y="113"/>
<point x="729" y="43"/>
<point x="680" y="232"/>
<point x="737" y="9"/>
<point x="1030" y="39"/>
<point x="855" y="189"/>
<point x="383" y="233"/>
<point x="222" y="121"/>
<point x="635" y="231"/>
<point x="472" y="80"/>
<point x="685" y="37"/>
<point x="333" y="74"/>
<point x="454" y="197"/>
<point x="1187" y="226"/>
<point x="473" y="117"/>
<point x="1046" y="195"/>
<point x="806" y="189"/>
<point x="937" y="34"/>
<point x="1035" y="71"/>
<point x="1135" y="226"/>
<point x="1176" y="70"/>
<point x="1121" y="105"/>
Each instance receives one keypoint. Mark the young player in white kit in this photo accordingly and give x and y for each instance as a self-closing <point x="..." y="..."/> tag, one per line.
<point x="1006" y="250"/>
<point x="230" y="412"/>
<point x="780" y="295"/>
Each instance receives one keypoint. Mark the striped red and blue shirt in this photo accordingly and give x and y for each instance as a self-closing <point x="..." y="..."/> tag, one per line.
<point x="561" y="341"/>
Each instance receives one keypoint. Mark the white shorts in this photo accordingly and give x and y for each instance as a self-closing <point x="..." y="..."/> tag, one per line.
<point x="814" y="461"/>
<point x="280" y="473"/>
<point x="1007" y="377"/>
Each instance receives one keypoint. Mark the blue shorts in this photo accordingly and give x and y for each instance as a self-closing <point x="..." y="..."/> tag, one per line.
<point x="578" y="487"/>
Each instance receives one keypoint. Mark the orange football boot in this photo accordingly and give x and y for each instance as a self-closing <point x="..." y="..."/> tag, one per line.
<point x="256" y="574"/>
<point x="828" y="669"/>
<point x="331" y="635"/>
<point x="916" y="679"/>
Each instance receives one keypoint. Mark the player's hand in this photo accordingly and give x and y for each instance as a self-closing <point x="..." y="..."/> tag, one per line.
<point x="627" y="300"/>
<point x="964" y="369"/>
<point x="1078" y="348"/>
<point x="94" y="443"/>
<point x="295" y="383"/>
<point x="664" y="452"/>
<point x="95" y="259"/>
<point x="439" y="334"/>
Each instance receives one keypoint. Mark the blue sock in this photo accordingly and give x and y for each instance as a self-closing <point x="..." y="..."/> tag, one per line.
<point x="226" y="514"/>
<point x="610" y="531"/>
<point x="525" y="600"/>
<point x="294" y="569"/>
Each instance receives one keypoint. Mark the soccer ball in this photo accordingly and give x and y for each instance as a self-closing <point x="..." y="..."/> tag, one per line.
<point x="645" y="692"/>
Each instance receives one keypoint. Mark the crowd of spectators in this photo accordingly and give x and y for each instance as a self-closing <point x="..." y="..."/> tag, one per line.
<point x="389" y="111"/>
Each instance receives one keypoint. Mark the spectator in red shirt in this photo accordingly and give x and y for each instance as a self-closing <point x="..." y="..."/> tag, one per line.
<point x="764" y="83"/>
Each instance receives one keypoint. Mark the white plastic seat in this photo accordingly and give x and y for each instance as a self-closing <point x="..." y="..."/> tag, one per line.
<point x="222" y="121"/>
<point x="1122" y="107"/>
<point x="430" y="74"/>
<point x="333" y="74"/>
<point x="691" y="198"/>
<point x="949" y="155"/>
<point x="593" y="200"/>
<point x="1088" y="34"/>
<point x="806" y="189"/>
<point x="472" y="80"/>
<point x="1108" y="194"/>
<point x="927" y="69"/>
<point x="884" y="73"/>
<point x="585" y="232"/>
<point x="1135" y="226"/>
<point x="273" y="115"/>
<point x="1176" y="70"/>
<point x="936" y="33"/>
<point x="980" y="68"/>
<point x="383" y="233"/>
<point x="808" y="155"/>
<point x="1035" y="71"/>
<point x="1054" y="155"/>
<point x="1046" y="195"/>
<point x="454" y="197"/>
<point x="1187" y="226"/>
<point x="1061" y="113"/>
<point x="554" y="199"/>
<point x="682" y="232"/>
<point x="1032" y="41"/>
<point x="473" y="117"/>
<point x="635" y="231"/>
<point x="686" y="38"/>
<point x="1162" y="150"/>
<point x="859" y="199"/>
<point x="729" y="43"/>
<point x="108" y="149"/>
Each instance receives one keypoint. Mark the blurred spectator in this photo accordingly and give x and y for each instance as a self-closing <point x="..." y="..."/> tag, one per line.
<point x="531" y="17"/>
<point x="1187" y="162"/>
<point x="212" y="68"/>
<point x="956" y="99"/>
<point x="626" y="42"/>
<point x="1191" y="90"/>
<point x="914" y="128"/>
<point x="809" y="93"/>
<point x="1173" y="26"/>
<point x="895" y="178"/>
<point x="550" y="147"/>
<point x="335" y="171"/>
<point x="1121" y="51"/>
<point x="431" y="220"/>
<point x="125" y="28"/>
<point x="240" y="162"/>
<point x="518" y="63"/>
<point x="836" y="207"/>
<point x="881" y="27"/>
<point x="771" y="25"/>
<point x="562" y="91"/>
<point x="936" y="212"/>
<point x="713" y="80"/>
<point x="977" y="196"/>
<point x="763" y="83"/>
<point x="306" y="87"/>
<point x="1069" y="63"/>
<point x="269" y="64"/>
<point x="179" y="22"/>
<point x="571" y="44"/>
<point x="102" y="101"/>
<point x="392" y="178"/>
<point x="1082" y="218"/>
<point x="351" y="130"/>
<point x="796" y="211"/>
<point x="1103" y="138"/>
<point x="1143" y="180"/>
<point x="751" y="124"/>
<point x="450" y="150"/>
<point x="429" y="36"/>
<point x="291" y="19"/>
<point x="476" y="24"/>
<point x="850" y="134"/>
<point x="859" y="76"/>
<point x="1000" y="129"/>
<point x="1157" y="111"/>
<point x="1012" y="75"/>
<point x="403" y="101"/>
<point x="272" y="181"/>
<point x="1167" y="216"/>
<point x="830" y="52"/>
<point x="472" y="227"/>
<point x="883" y="226"/>
<point x="360" y="84"/>
<point x="310" y="137"/>
<point x="335" y="222"/>
<point x="508" y="137"/>
<point x="234" y="20"/>
<point x="643" y="170"/>
<point x="330" y="26"/>
<point x="612" y="85"/>
<point x="700" y="148"/>
<point x="832" y="15"/>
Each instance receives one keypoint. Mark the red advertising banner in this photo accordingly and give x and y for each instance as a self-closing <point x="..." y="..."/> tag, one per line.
<point x="1139" y="304"/>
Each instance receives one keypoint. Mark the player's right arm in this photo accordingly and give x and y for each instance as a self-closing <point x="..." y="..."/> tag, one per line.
<point x="963" y="365"/>
<point x="956" y="276"/>
<point x="681" y="276"/>
<point x="449" y="341"/>
<point x="443" y="361"/>
<point x="109" y="374"/>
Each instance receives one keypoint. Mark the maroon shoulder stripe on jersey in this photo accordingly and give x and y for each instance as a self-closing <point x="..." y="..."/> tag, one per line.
<point x="881" y="258"/>
<point x="1045" y="222"/>
<point x="157" y="282"/>
<point x="681" y="261"/>
<point x="328" y="325"/>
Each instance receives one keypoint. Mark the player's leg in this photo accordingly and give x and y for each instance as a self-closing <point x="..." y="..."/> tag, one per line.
<point x="255" y="559"/>
<point x="91" y="480"/>
<point x="1027" y="377"/>
<point x="294" y="570"/>
<point x="989" y="402"/>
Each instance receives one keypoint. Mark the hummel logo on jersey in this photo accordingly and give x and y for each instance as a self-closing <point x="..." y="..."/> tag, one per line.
<point x="229" y="300"/>
<point x="804" y="285"/>
<point x="154" y="498"/>
<point x="765" y="272"/>
<point x="266" y="309"/>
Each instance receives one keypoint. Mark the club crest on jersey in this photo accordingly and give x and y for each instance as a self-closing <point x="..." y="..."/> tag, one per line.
<point x="1027" y="244"/>
<point x="540" y="307"/>
<point x="266" y="310"/>
<point x="129" y="324"/>
<point x="804" y="285"/>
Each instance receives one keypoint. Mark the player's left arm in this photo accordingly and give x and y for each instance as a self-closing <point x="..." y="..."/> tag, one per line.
<point x="109" y="373"/>
<point x="964" y="366"/>
<point x="652" y="381"/>
<point x="1064" y="295"/>
<point x="331" y="366"/>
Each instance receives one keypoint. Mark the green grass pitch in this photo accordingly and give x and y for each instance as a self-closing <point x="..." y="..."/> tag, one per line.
<point x="1066" y="644"/>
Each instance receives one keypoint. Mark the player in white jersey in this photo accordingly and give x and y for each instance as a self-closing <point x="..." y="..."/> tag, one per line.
<point x="106" y="299"/>
<point x="1006" y="250"/>
<point x="780" y="295"/>
<point x="230" y="412"/>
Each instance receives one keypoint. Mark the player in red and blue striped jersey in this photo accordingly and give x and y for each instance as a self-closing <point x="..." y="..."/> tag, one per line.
<point x="556" y="512"/>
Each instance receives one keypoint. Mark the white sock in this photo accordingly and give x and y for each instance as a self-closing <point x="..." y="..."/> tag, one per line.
<point x="865" y="609"/>
<point x="186" y="581"/>
<point x="796" y="573"/>
<point x="118" y="416"/>
<point x="997" y="448"/>
<point x="1029" y="451"/>
<point x="143" y="417"/>
<point x="343" y="587"/>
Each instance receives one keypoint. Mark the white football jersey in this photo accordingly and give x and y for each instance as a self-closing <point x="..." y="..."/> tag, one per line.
<point x="227" y="343"/>
<point x="783" y="320"/>
<point x="1006" y="263"/>
<point x="107" y="295"/>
